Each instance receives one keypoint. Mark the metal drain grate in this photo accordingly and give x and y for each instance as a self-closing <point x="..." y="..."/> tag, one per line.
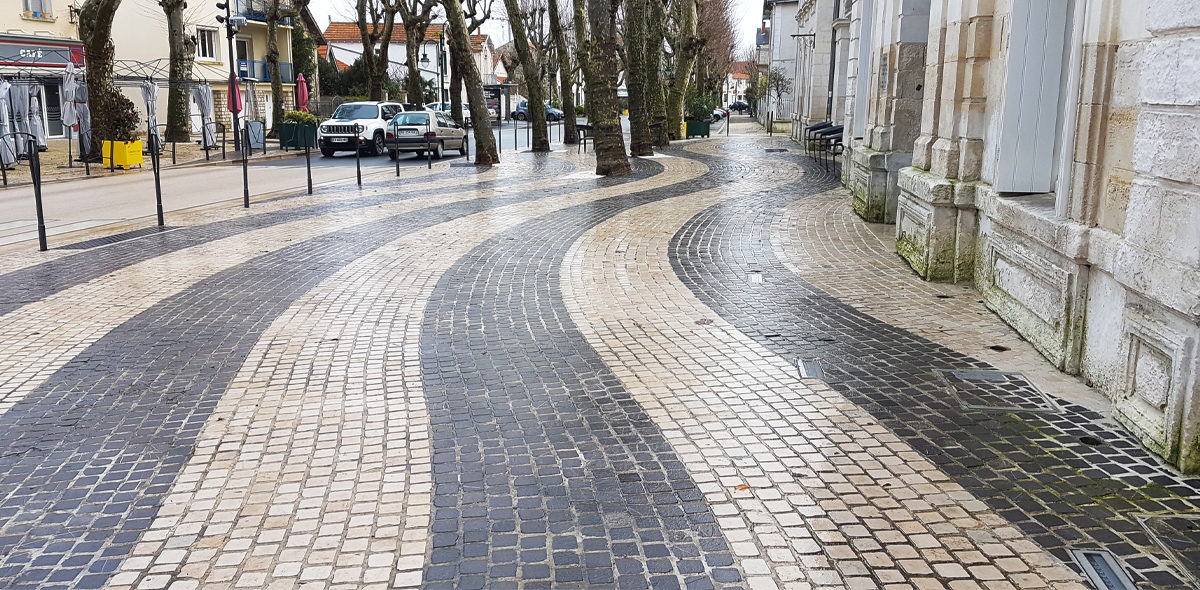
<point x="121" y="237"/>
<point x="1102" y="569"/>
<point x="775" y="150"/>
<point x="810" y="368"/>
<point x="1179" y="536"/>
<point x="995" y="391"/>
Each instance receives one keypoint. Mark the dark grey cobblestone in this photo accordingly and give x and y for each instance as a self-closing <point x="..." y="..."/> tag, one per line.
<point x="39" y="281"/>
<point x="87" y="457"/>
<point x="1029" y="467"/>
<point x="546" y="471"/>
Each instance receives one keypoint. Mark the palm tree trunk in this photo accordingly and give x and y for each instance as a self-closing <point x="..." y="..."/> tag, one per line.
<point x="602" y="89"/>
<point x="565" y="73"/>
<point x="460" y="54"/>
<point x="635" y="79"/>
<point x="531" y="68"/>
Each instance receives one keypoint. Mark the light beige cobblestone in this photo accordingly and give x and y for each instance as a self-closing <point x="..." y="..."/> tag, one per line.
<point x="316" y="460"/>
<point x="776" y="457"/>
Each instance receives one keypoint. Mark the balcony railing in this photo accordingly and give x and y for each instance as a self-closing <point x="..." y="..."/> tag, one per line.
<point x="258" y="70"/>
<point x="256" y="10"/>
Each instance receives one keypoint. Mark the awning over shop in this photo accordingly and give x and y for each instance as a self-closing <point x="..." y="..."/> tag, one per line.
<point x="35" y="54"/>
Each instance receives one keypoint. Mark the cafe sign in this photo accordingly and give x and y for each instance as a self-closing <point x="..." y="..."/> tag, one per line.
<point x="20" y="51"/>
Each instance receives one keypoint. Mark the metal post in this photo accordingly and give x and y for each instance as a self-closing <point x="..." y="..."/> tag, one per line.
<point x="229" y="33"/>
<point x="466" y="145"/>
<point x="308" y="164"/>
<point x="112" y="155"/>
<point x="173" y="151"/>
<point x="357" y="154"/>
<point x="515" y="146"/>
<point x="35" y="171"/>
<point x="397" y="161"/>
<point x="428" y="148"/>
<point x="245" y="168"/>
<point x="70" y="163"/>
<point x="224" y="140"/>
<point x="154" y="161"/>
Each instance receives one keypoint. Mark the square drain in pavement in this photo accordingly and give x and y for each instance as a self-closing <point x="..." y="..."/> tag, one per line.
<point x="1102" y="569"/>
<point x="1179" y="536"/>
<point x="121" y="237"/>
<point x="995" y="391"/>
<point x="810" y="368"/>
<point x="775" y="150"/>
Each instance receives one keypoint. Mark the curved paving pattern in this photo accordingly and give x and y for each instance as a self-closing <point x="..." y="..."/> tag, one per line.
<point x="87" y="456"/>
<point x="1030" y="468"/>
<point x="528" y="377"/>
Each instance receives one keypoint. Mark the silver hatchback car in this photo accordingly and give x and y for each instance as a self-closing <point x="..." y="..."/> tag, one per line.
<point x="424" y="130"/>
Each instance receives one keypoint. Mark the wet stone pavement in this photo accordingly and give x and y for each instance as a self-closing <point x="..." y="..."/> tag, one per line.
<point x="530" y="377"/>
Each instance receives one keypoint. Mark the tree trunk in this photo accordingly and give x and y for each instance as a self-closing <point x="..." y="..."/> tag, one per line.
<point x="531" y="68"/>
<point x="460" y="53"/>
<point x="570" y="134"/>
<point x="414" y="35"/>
<point x="382" y="66"/>
<point x="182" y="51"/>
<point x="456" y="95"/>
<point x="113" y="116"/>
<point x="602" y="89"/>
<point x="273" y="65"/>
<point x="583" y="50"/>
<point x="656" y="95"/>
<point x="367" y="30"/>
<point x="635" y="77"/>
<point x="685" y="60"/>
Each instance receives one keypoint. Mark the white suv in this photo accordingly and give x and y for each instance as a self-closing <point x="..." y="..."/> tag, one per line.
<point x="369" y="118"/>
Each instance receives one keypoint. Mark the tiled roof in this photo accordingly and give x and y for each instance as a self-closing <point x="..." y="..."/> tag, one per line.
<point x="348" y="32"/>
<point x="323" y="51"/>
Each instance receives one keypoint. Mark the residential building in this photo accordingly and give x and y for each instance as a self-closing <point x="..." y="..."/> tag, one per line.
<point x="777" y="45"/>
<point x="49" y="29"/>
<point x="345" y="44"/>
<point x="1048" y="152"/>
<point x="736" y="82"/>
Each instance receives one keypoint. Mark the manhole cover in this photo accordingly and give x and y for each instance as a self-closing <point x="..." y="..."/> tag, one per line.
<point x="995" y="391"/>
<point x="1179" y="536"/>
<point x="121" y="237"/>
<point x="1102" y="569"/>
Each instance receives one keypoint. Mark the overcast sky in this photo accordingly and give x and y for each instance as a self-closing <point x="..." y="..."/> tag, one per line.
<point x="749" y="12"/>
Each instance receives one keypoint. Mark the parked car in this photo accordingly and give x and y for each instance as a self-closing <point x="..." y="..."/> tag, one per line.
<point x="522" y="112"/>
<point x="719" y="114"/>
<point x="369" y="118"/>
<point x="424" y="130"/>
<point x="739" y="106"/>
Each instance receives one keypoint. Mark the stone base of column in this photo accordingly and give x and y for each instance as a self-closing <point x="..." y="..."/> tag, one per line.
<point x="872" y="180"/>
<point x="936" y="226"/>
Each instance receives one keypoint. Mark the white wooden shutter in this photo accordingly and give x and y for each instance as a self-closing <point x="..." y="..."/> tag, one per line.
<point x="1029" y="112"/>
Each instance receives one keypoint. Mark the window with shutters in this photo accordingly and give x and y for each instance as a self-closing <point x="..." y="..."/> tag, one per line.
<point x="1031" y="101"/>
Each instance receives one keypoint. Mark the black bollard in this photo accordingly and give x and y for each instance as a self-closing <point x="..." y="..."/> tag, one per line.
<point x="308" y="165"/>
<point x="224" y="138"/>
<point x="357" y="155"/>
<point x="428" y="151"/>
<point x="246" y="168"/>
<point x="112" y="155"/>
<point x="173" y="153"/>
<point x="515" y="146"/>
<point x="157" y="164"/>
<point x="35" y="171"/>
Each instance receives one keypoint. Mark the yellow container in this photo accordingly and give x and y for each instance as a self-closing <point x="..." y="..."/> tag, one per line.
<point x="122" y="154"/>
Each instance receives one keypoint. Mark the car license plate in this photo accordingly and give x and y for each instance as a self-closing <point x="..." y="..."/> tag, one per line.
<point x="408" y="132"/>
<point x="339" y="139"/>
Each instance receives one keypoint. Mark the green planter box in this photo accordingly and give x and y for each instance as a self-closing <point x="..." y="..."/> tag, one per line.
<point x="297" y="135"/>
<point x="697" y="128"/>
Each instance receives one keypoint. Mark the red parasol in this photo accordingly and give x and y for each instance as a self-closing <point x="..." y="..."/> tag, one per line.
<point x="302" y="93"/>
<point x="235" y="95"/>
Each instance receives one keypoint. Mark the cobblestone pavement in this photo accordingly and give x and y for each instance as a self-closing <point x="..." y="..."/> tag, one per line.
<point x="706" y="375"/>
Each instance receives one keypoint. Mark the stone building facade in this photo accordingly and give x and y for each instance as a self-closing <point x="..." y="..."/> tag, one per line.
<point x="1048" y="152"/>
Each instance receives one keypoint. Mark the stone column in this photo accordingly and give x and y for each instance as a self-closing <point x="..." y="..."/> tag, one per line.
<point x="935" y="214"/>
<point x="895" y="120"/>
